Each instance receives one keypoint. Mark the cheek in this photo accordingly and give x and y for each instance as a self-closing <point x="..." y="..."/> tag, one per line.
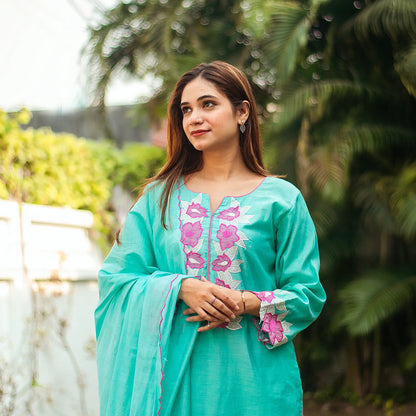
<point x="185" y="128"/>
<point x="184" y="125"/>
<point x="185" y="121"/>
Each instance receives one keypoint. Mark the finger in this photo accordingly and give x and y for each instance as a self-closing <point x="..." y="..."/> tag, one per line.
<point x="189" y="311"/>
<point x="226" y="300"/>
<point x="209" y="313"/>
<point x="209" y="325"/>
<point x="216" y="311"/>
<point x="203" y="279"/>
<point x="221" y="310"/>
<point x="194" y="318"/>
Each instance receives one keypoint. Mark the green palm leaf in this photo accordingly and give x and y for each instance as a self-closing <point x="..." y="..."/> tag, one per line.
<point x="369" y="301"/>
<point x="287" y="36"/>
<point x="403" y="200"/>
<point x="406" y="68"/>
<point x="306" y="97"/>
<point x="372" y="194"/>
<point x="372" y="137"/>
<point x="391" y="17"/>
<point x="330" y="162"/>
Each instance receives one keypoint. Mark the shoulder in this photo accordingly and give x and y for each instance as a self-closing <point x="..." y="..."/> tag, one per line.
<point x="282" y="185"/>
<point x="281" y="192"/>
<point x="286" y="202"/>
<point x="149" y="198"/>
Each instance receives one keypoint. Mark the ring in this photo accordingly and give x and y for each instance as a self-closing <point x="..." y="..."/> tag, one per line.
<point x="213" y="300"/>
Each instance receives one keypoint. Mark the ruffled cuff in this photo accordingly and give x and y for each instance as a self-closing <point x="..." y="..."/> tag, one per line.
<point x="271" y="326"/>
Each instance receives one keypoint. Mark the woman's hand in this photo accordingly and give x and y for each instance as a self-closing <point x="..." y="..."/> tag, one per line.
<point x="210" y="302"/>
<point x="251" y="306"/>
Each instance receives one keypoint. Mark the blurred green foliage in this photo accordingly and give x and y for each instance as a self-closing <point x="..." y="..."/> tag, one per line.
<point x="38" y="166"/>
<point x="41" y="167"/>
<point x="130" y="166"/>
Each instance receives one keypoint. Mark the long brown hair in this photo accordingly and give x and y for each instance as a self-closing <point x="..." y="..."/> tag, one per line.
<point x="182" y="157"/>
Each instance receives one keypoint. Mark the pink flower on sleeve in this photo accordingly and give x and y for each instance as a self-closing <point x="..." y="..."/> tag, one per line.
<point x="265" y="296"/>
<point x="227" y="234"/>
<point x="273" y="327"/>
<point x="191" y="233"/>
<point x="229" y="214"/>
<point x="194" y="260"/>
<point x="196" y="211"/>
<point x="221" y="263"/>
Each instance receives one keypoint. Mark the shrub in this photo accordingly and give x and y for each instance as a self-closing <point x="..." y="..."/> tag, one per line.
<point x="41" y="167"/>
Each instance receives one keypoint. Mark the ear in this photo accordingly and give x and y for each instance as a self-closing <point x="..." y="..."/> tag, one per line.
<point x="243" y="111"/>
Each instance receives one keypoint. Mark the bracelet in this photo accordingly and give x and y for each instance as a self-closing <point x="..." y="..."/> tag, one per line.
<point x="243" y="298"/>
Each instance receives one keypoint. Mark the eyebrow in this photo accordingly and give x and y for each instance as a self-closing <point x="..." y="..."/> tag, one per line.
<point x="202" y="97"/>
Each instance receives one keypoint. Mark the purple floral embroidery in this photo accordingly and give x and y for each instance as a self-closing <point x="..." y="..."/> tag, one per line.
<point x="220" y="282"/>
<point x="265" y="296"/>
<point x="196" y="211"/>
<point x="194" y="260"/>
<point x="221" y="263"/>
<point x="229" y="214"/>
<point x="191" y="233"/>
<point x="273" y="327"/>
<point x="227" y="234"/>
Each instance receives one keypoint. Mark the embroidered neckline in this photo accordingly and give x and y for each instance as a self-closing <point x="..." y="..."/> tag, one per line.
<point x="229" y="239"/>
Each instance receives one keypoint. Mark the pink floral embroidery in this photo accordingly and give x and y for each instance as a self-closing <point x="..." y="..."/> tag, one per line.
<point x="229" y="214"/>
<point x="220" y="282"/>
<point x="260" y="335"/>
<point x="196" y="211"/>
<point x="221" y="263"/>
<point x="273" y="327"/>
<point x="191" y="233"/>
<point x="265" y="296"/>
<point x="227" y="234"/>
<point x="194" y="260"/>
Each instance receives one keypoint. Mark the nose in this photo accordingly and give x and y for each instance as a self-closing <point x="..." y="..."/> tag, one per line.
<point x="195" y="118"/>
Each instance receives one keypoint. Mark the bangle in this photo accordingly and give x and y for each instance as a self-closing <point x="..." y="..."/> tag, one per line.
<point x="243" y="298"/>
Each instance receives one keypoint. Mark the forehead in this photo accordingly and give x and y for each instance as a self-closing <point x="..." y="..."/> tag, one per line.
<point x="199" y="87"/>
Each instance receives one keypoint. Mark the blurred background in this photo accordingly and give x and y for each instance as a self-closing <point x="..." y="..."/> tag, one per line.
<point x="83" y="96"/>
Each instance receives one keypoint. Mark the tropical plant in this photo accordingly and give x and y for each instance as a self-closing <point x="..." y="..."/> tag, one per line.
<point x="345" y="75"/>
<point x="336" y="84"/>
<point x="159" y="40"/>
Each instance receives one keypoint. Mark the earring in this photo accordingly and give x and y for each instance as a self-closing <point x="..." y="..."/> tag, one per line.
<point x="242" y="127"/>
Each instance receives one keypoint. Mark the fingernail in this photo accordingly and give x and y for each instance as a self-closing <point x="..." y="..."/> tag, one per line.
<point x="232" y="316"/>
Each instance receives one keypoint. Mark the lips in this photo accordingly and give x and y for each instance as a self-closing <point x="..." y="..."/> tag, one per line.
<point x="196" y="133"/>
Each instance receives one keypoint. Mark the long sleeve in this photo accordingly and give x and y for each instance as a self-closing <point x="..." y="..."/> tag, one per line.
<point x="134" y="318"/>
<point x="299" y="297"/>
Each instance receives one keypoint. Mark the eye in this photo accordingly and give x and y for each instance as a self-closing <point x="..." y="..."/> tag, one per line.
<point x="185" y="109"/>
<point x="208" y="104"/>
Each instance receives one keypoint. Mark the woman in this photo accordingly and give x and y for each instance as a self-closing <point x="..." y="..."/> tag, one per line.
<point x="216" y="270"/>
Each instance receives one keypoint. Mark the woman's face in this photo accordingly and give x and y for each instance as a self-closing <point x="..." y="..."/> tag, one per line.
<point x="210" y="121"/>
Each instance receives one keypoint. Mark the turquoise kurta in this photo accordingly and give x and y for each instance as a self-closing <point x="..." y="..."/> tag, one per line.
<point x="151" y="361"/>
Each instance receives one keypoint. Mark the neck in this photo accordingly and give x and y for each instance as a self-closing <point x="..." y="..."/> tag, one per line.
<point x="223" y="165"/>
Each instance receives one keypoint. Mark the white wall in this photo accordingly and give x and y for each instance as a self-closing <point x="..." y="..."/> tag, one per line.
<point x="48" y="293"/>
